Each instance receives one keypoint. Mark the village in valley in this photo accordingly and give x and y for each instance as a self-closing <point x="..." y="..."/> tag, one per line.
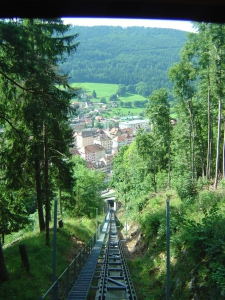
<point x="97" y="138"/>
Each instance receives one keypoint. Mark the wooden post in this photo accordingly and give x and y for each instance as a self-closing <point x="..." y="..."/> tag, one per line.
<point x="24" y="257"/>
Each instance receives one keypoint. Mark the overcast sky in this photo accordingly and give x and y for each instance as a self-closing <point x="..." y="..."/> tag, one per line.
<point x="181" y="25"/>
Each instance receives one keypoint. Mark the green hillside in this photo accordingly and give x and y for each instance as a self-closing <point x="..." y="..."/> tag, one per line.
<point x="126" y="56"/>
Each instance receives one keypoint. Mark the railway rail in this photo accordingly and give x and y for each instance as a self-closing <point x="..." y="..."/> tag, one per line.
<point x="114" y="281"/>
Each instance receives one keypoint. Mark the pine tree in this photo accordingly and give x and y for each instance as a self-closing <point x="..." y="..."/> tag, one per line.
<point x="42" y="100"/>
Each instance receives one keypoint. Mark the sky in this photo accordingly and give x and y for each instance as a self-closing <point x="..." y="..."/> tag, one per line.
<point x="180" y="25"/>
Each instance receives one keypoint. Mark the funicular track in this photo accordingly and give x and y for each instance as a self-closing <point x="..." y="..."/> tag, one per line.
<point x="114" y="280"/>
<point x="106" y="276"/>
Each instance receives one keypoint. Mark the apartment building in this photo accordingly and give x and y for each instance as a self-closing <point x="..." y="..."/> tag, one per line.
<point x="84" y="138"/>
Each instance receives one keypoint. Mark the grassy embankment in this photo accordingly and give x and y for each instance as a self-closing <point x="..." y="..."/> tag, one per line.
<point x="106" y="90"/>
<point x="197" y="226"/>
<point x="23" y="285"/>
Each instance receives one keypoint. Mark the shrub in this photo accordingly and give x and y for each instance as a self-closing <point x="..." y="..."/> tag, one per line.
<point x="186" y="188"/>
<point x="208" y="198"/>
<point x="202" y="182"/>
<point x="162" y="180"/>
<point x="151" y="223"/>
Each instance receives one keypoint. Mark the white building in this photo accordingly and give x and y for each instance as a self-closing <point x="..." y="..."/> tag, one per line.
<point x="105" y="141"/>
<point x="135" y="125"/>
<point x="92" y="153"/>
<point x="118" y="141"/>
<point x="84" y="138"/>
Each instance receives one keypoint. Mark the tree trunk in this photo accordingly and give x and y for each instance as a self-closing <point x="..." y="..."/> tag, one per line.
<point x="60" y="201"/>
<point x="192" y="139"/>
<point x="36" y="152"/>
<point x="169" y="161"/>
<point x="224" y="148"/>
<point x="220" y="88"/>
<point x="154" y="180"/>
<point x="47" y="203"/>
<point x="209" y="150"/>
<point x="201" y="146"/>
<point x="3" y="270"/>
<point x="39" y="195"/>
<point x="212" y="150"/>
<point x="38" y="181"/>
<point x="218" y="143"/>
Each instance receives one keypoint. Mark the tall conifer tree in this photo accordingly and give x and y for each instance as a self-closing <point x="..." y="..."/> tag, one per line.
<point x="43" y="106"/>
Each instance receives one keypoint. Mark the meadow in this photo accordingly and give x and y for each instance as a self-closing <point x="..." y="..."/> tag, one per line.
<point x="101" y="89"/>
<point x="106" y="90"/>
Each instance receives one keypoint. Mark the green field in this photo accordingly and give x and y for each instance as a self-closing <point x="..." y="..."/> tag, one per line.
<point x="106" y="90"/>
<point x="101" y="89"/>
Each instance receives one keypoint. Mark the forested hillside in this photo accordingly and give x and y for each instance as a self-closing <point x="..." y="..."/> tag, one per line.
<point x="125" y="56"/>
<point x="184" y="161"/>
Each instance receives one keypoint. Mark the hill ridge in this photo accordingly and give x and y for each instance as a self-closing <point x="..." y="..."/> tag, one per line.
<point x="108" y="54"/>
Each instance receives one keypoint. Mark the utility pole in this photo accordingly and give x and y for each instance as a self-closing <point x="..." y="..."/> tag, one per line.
<point x="126" y="219"/>
<point x="55" y="289"/>
<point x="167" y="249"/>
<point x="96" y="224"/>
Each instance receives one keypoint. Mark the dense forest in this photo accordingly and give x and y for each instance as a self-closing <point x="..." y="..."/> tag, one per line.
<point x="36" y="136"/>
<point x="125" y="56"/>
<point x="185" y="159"/>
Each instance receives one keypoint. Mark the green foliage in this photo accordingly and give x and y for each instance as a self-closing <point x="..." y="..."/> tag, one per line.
<point x="131" y="178"/>
<point x="98" y="125"/>
<point x="202" y="182"/>
<point x="207" y="199"/>
<point x="35" y="111"/>
<point x="103" y="100"/>
<point x="86" y="190"/>
<point x="125" y="56"/>
<point x="94" y="95"/>
<point x="13" y="215"/>
<point x="121" y="90"/>
<point x="186" y="187"/>
<point x="162" y="180"/>
<point x="197" y="248"/>
<point x="151" y="223"/>
<point x="113" y="97"/>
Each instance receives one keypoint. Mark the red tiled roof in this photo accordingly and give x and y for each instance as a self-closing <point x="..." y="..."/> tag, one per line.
<point x="119" y="138"/>
<point x="92" y="148"/>
<point x="127" y="130"/>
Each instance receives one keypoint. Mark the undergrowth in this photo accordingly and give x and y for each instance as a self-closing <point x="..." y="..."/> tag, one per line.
<point x="197" y="246"/>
